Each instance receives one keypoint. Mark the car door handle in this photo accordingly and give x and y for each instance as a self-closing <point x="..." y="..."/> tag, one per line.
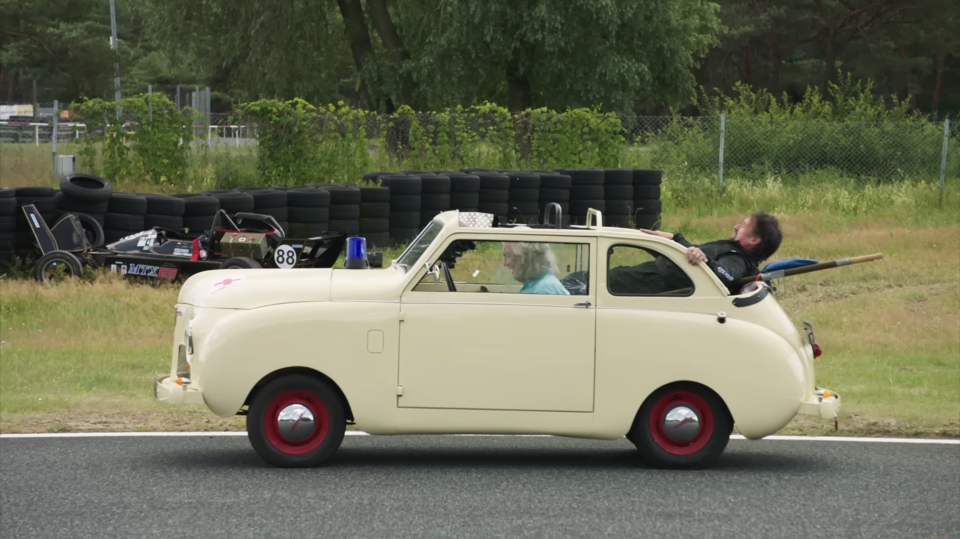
<point x="585" y="304"/>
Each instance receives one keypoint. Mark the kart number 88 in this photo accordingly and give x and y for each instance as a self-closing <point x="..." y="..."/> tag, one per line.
<point x="285" y="257"/>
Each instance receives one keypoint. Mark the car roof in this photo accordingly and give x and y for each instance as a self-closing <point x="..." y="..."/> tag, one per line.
<point x="457" y="221"/>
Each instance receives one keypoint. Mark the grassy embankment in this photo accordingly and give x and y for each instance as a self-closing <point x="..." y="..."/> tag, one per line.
<point x="82" y="356"/>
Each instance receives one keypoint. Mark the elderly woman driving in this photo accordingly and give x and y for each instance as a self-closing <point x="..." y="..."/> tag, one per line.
<point x="534" y="265"/>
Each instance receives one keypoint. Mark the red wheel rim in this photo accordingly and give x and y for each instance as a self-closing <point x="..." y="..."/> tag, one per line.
<point x="670" y="401"/>
<point x="302" y="444"/>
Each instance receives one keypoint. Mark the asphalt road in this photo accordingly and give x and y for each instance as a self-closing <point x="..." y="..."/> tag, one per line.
<point x="468" y="486"/>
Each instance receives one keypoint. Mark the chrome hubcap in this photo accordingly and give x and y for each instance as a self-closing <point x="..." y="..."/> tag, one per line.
<point x="681" y="424"/>
<point x="296" y="422"/>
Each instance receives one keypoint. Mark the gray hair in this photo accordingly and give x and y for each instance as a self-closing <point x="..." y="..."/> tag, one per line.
<point x="536" y="258"/>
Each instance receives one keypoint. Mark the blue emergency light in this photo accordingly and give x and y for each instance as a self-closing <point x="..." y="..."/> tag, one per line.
<point x="356" y="254"/>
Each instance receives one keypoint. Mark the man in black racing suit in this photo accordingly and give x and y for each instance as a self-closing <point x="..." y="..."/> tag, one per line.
<point x="754" y="240"/>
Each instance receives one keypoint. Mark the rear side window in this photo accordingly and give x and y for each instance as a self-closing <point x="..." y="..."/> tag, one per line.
<point x="640" y="271"/>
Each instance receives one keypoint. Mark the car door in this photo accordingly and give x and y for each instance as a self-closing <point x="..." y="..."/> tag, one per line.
<point x="489" y="346"/>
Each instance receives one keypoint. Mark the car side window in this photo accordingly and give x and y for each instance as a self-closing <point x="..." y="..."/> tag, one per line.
<point x="512" y="267"/>
<point x="641" y="271"/>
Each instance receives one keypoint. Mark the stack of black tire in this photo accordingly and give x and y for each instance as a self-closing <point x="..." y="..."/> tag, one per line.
<point x="554" y="187"/>
<point x="232" y="201"/>
<point x="8" y="226"/>
<point x="163" y="211"/>
<point x="83" y="193"/>
<point x="586" y="191"/>
<point x="494" y="194"/>
<point x="404" y="206"/>
<point x="375" y="215"/>
<point x="618" y="197"/>
<point x="308" y="212"/>
<point x="524" y="196"/>
<point x="198" y="212"/>
<point x="43" y="199"/>
<point x="464" y="191"/>
<point x="344" y="208"/>
<point x="272" y="202"/>
<point x="124" y="217"/>
<point x="646" y="198"/>
<point x="434" y="196"/>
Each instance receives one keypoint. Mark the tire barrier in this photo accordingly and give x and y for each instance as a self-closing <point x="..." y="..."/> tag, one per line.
<point x="388" y="208"/>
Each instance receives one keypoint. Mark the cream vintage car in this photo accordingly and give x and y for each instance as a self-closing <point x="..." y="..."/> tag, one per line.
<point x="448" y="340"/>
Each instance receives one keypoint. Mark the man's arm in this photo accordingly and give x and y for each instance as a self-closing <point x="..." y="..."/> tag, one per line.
<point x="729" y="270"/>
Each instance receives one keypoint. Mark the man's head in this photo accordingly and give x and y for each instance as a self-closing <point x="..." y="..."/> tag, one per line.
<point x="528" y="260"/>
<point x="760" y="233"/>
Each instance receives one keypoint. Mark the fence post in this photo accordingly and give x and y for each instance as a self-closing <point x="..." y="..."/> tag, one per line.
<point x="206" y="110"/>
<point x="943" y="158"/>
<point x="36" y="134"/>
<point x="723" y="126"/>
<point x="56" y="112"/>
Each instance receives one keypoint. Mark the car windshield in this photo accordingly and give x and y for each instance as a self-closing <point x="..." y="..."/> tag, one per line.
<point x="419" y="245"/>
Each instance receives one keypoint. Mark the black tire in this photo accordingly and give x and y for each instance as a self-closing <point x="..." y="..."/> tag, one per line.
<point x="664" y="448"/>
<point x="464" y="183"/>
<point x="377" y="239"/>
<point x="464" y="201"/>
<point x="200" y="206"/>
<point x="646" y="220"/>
<point x="92" y="227"/>
<point x="403" y="235"/>
<point x="8" y="206"/>
<point x="49" y="265"/>
<point x="111" y="236"/>
<point x="496" y="208"/>
<point x="198" y="223"/>
<point x="344" y="211"/>
<point x="374" y="209"/>
<point x="280" y="214"/>
<point x="554" y="195"/>
<point x="619" y="221"/>
<point x="308" y="198"/>
<point x="617" y="176"/>
<point x="435" y="184"/>
<point x="418" y="172"/>
<point x="618" y="192"/>
<point x="308" y="215"/>
<point x="522" y="180"/>
<point x="493" y="181"/>
<point x="8" y="223"/>
<point x="35" y="192"/>
<point x="306" y="230"/>
<point x="240" y="262"/>
<point x="405" y="203"/>
<point x="647" y="177"/>
<point x="127" y="203"/>
<point x="409" y="219"/>
<point x="44" y="205"/>
<point x="470" y="170"/>
<point x="264" y="199"/>
<point x="494" y="195"/>
<point x="524" y="195"/>
<point x="583" y="176"/>
<point x="435" y="201"/>
<point x="98" y="217"/>
<point x="648" y="206"/>
<point x="564" y="208"/>
<point x="67" y="204"/>
<point x="580" y="207"/>
<point x="619" y="207"/>
<point x="164" y="221"/>
<point x="374" y="224"/>
<point x="347" y="226"/>
<point x="374" y="177"/>
<point x="646" y="191"/>
<point x="374" y="194"/>
<point x="8" y="241"/>
<point x="86" y="187"/>
<point x="402" y="185"/>
<point x="8" y="192"/>
<point x="344" y="195"/>
<point x="586" y="192"/>
<point x="235" y="202"/>
<point x="164" y="205"/>
<point x="553" y="180"/>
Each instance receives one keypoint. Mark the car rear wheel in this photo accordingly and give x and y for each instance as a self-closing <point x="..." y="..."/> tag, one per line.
<point x="240" y="262"/>
<point x="296" y="421"/>
<point x="682" y="426"/>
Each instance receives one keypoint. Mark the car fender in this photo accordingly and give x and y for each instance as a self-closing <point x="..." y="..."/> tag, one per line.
<point x="354" y="344"/>
<point x="754" y="370"/>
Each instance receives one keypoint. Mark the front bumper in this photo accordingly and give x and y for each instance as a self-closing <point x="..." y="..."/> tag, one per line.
<point x="166" y="390"/>
<point x="825" y="403"/>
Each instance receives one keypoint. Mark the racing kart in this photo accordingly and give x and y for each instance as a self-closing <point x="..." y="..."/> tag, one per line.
<point x="244" y="240"/>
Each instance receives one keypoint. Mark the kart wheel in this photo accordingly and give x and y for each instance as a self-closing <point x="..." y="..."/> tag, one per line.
<point x="296" y="421"/>
<point x="240" y="262"/>
<point x="682" y="426"/>
<point x="56" y="264"/>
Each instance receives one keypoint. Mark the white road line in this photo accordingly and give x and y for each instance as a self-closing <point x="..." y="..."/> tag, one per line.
<point x="937" y="441"/>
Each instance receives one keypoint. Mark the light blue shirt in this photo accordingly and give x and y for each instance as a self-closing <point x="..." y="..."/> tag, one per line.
<point x="546" y="283"/>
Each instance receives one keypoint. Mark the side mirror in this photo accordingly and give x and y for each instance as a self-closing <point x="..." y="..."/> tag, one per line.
<point x="435" y="271"/>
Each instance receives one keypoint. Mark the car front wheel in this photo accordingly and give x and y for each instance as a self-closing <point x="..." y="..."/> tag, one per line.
<point x="296" y="421"/>
<point x="682" y="426"/>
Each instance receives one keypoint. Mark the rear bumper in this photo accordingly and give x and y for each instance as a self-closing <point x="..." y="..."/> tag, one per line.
<point x="167" y="390"/>
<point x="825" y="404"/>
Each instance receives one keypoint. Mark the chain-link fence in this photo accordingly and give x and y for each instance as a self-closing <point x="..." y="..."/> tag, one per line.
<point x="335" y="147"/>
